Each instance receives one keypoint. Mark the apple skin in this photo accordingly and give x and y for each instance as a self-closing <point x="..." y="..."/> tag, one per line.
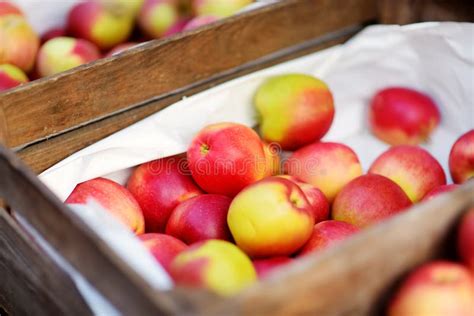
<point x="63" y="53"/>
<point x="270" y="218"/>
<point x="326" y="234"/>
<point x="226" y="157"/>
<point x="461" y="158"/>
<point x="327" y="166"/>
<point x="158" y="17"/>
<point x="11" y="76"/>
<point x="412" y="168"/>
<point x="104" y="24"/>
<point x="163" y="247"/>
<point x="438" y="288"/>
<point x="316" y="198"/>
<point x="219" y="8"/>
<point x="199" y="21"/>
<point x="265" y="266"/>
<point x="200" y="218"/>
<point x="120" y="48"/>
<point x="294" y="109"/>
<point x="403" y="116"/>
<point x="439" y="190"/>
<point x="216" y="265"/>
<point x="18" y="42"/>
<point x="53" y="33"/>
<point x="8" y="8"/>
<point x="114" y="198"/>
<point x="159" y="186"/>
<point x="465" y="240"/>
<point x="272" y="157"/>
<point x="368" y="200"/>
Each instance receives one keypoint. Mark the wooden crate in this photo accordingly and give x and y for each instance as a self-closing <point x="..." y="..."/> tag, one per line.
<point x="47" y="120"/>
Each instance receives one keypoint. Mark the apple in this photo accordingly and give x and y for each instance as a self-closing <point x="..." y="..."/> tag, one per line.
<point x="163" y="247"/>
<point x="272" y="157"/>
<point x="114" y="198"/>
<point x="120" y="48"/>
<point x="130" y="7"/>
<point x="11" y="76"/>
<point x="271" y="217"/>
<point x="8" y="8"/>
<point x="265" y="266"/>
<point x="439" y="190"/>
<point x="316" y="198"/>
<point x="158" y="17"/>
<point x="216" y="265"/>
<point x="18" y="42"/>
<point x="294" y="110"/>
<point x="226" y="157"/>
<point x="219" y="8"/>
<point x="200" y="218"/>
<point x="327" y="166"/>
<point x="326" y="234"/>
<point x="403" y="116"/>
<point x="159" y="186"/>
<point x="63" y="53"/>
<point x="412" y="168"/>
<point x="461" y="158"/>
<point x="104" y="24"/>
<point x="199" y="21"/>
<point x="368" y="200"/>
<point x="465" y="239"/>
<point x="438" y="288"/>
<point x="53" y="33"/>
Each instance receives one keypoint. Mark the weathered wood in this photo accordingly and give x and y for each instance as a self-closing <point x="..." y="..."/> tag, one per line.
<point x="46" y="153"/>
<point x="351" y="279"/>
<point x="50" y="106"/>
<point x="30" y="282"/>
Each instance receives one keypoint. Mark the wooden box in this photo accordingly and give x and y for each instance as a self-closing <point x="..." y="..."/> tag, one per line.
<point x="43" y="122"/>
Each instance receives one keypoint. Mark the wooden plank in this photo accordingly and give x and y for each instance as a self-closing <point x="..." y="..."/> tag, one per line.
<point x="30" y="282"/>
<point x="45" y="154"/>
<point x="355" y="277"/>
<point x="50" y="106"/>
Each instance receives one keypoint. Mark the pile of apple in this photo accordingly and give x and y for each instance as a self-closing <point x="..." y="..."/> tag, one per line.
<point x="233" y="207"/>
<point x="96" y="28"/>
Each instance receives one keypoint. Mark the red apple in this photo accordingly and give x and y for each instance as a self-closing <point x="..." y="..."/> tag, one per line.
<point x="199" y="21"/>
<point x="265" y="266"/>
<point x="461" y="158"/>
<point x="53" y="33"/>
<point x="466" y="239"/>
<point x="327" y="166"/>
<point x="412" y="168"/>
<point x="163" y="247"/>
<point x="439" y="190"/>
<point x="438" y="288"/>
<point x="226" y="157"/>
<point x="159" y="186"/>
<point x="114" y="198"/>
<point x="11" y="76"/>
<point x="326" y="234"/>
<point x="7" y="8"/>
<point x="200" y="218"/>
<point x="401" y="116"/>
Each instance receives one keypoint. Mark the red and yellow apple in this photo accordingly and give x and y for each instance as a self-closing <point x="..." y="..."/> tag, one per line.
<point x="8" y="8"/>
<point x="11" y="76"/>
<point x="226" y="157"/>
<point x="403" y="116"/>
<point x="265" y="266"/>
<point x="438" y="288"/>
<point x="412" y="168"/>
<point x="18" y="42"/>
<point x="63" y="53"/>
<point x="368" y="200"/>
<point x="327" y="166"/>
<point x="159" y="186"/>
<point x="200" y="218"/>
<point x="461" y="158"/>
<point x="216" y="265"/>
<point x="465" y="239"/>
<point x="104" y="24"/>
<point x="326" y="234"/>
<point x="159" y="18"/>
<point x="219" y="8"/>
<point x="130" y="7"/>
<point x="271" y="217"/>
<point x="114" y="198"/>
<point x="439" y="190"/>
<point x="163" y="247"/>
<point x="294" y="110"/>
<point x="199" y="21"/>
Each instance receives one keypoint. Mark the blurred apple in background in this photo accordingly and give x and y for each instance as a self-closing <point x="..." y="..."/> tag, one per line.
<point x="159" y="18"/>
<point x="199" y="21"/>
<point x="163" y="247"/>
<point x="11" y="76"/>
<point x="461" y="158"/>
<point x="7" y="8"/>
<point x="63" y="53"/>
<point x="53" y="33"/>
<point x="219" y="8"/>
<point x="465" y="241"/>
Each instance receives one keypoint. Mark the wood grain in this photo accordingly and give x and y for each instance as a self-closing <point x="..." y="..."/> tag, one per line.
<point x="50" y="106"/>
